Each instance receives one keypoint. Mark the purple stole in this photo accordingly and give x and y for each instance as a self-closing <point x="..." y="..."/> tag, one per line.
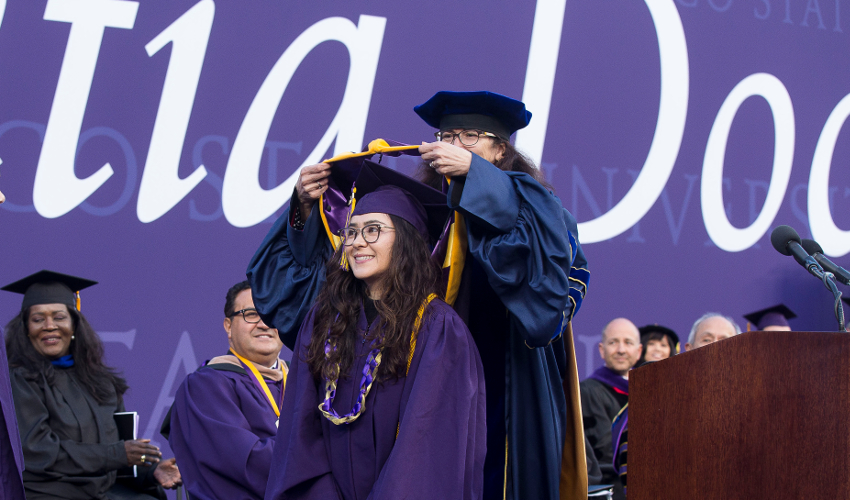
<point x="611" y="379"/>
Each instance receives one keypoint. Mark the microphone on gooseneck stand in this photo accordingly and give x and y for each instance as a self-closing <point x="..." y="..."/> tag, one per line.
<point x="787" y="242"/>
<point x="812" y="248"/>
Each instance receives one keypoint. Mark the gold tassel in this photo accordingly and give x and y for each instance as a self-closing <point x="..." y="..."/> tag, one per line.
<point x="343" y="262"/>
<point x="78" y="300"/>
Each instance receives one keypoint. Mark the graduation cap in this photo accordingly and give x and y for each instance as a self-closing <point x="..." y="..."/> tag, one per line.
<point x="49" y="287"/>
<point x="481" y="110"/>
<point x="663" y="330"/>
<point x="777" y="315"/>
<point x="353" y="176"/>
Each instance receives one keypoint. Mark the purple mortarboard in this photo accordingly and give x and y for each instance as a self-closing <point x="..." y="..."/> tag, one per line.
<point x="663" y="330"/>
<point x="396" y="201"/>
<point x="48" y="287"/>
<point x="777" y="315"/>
<point x="381" y="190"/>
<point x="481" y="110"/>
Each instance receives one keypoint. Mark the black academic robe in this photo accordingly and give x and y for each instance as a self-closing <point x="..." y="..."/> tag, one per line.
<point x="524" y="279"/>
<point x="70" y="441"/>
<point x="600" y="404"/>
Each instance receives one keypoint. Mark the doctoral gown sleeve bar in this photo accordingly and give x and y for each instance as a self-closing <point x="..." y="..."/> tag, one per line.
<point x="222" y="433"/>
<point x="579" y="274"/>
<point x="301" y="466"/>
<point x="287" y="271"/>
<point x="441" y="443"/>
<point x="46" y="454"/>
<point x="518" y="233"/>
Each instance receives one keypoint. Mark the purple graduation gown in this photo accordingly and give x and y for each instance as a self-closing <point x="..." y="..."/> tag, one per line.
<point x="439" y="452"/>
<point x="222" y="433"/>
<point x="11" y="454"/>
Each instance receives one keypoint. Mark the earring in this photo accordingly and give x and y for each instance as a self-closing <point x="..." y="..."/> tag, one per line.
<point x="73" y="337"/>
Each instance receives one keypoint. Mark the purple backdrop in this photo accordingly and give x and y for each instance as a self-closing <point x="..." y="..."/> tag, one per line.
<point x="678" y="133"/>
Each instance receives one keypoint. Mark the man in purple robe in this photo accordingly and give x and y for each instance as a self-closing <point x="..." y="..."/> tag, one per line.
<point x="606" y="392"/>
<point x="225" y="415"/>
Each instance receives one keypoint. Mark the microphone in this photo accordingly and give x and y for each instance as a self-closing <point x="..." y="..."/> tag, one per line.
<point x="787" y="242"/>
<point x="812" y="248"/>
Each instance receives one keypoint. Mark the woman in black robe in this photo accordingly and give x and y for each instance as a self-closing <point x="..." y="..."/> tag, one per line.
<point x="65" y="398"/>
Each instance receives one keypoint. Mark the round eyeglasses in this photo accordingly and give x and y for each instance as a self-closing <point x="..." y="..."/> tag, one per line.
<point x="370" y="233"/>
<point x="466" y="137"/>
<point x="250" y="315"/>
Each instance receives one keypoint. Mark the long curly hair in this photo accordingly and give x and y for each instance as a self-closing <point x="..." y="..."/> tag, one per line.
<point x="411" y="277"/>
<point x="101" y="381"/>
<point x="512" y="161"/>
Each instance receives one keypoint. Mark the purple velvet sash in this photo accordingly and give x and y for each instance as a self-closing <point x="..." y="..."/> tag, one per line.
<point x="611" y="378"/>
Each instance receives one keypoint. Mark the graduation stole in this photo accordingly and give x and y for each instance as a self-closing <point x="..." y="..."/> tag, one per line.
<point x="261" y="382"/>
<point x="373" y="361"/>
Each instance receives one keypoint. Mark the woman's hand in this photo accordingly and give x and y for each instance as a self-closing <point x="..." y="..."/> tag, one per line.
<point x="446" y="159"/>
<point x="167" y="474"/>
<point x="141" y="452"/>
<point x="312" y="182"/>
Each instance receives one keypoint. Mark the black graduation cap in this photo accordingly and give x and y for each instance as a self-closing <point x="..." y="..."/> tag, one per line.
<point x="481" y="110"/>
<point x="663" y="330"/>
<point x="49" y="287"/>
<point x="777" y="315"/>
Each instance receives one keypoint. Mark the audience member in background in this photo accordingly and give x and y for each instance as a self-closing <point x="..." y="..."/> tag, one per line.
<point x="709" y="328"/>
<point x="659" y="342"/>
<point x="606" y="391"/>
<point x="65" y="398"/>
<point x="771" y="319"/>
<point x="11" y="455"/>
<point x="225" y="415"/>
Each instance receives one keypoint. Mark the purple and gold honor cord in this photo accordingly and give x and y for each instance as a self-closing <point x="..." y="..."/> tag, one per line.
<point x="373" y="361"/>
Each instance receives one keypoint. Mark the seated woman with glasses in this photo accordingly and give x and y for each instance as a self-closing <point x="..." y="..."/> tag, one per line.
<point x="66" y="398"/>
<point x="386" y="389"/>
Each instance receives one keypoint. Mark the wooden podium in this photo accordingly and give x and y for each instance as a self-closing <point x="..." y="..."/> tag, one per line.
<point x="762" y="415"/>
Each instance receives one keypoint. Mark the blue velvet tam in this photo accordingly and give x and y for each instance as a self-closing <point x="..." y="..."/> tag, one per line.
<point x="482" y="110"/>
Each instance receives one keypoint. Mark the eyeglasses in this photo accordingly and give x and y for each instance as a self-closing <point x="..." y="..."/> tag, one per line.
<point x="370" y="233"/>
<point x="466" y="137"/>
<point x="250" y="315"/>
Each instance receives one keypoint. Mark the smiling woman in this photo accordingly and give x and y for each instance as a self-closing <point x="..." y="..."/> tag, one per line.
<point x="379" y="323"/>
<point x="65" y="398"/>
